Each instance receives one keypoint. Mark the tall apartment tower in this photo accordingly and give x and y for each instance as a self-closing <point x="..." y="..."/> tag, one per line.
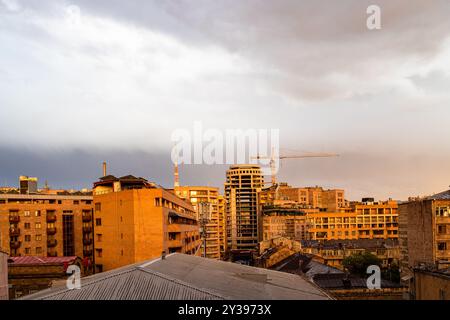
<point x="243" y="182"/>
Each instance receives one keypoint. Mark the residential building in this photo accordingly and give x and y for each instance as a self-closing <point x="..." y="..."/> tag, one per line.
<point x="187" y="277"/>
<point x="3" y="276"/>
<point x="28" y="185"/>
<point x="243" y="182"/>
<point x="315" y="197"/>
<point x="431" y="284"/>
<point x="52" y="225"/>
<point x="28" y="275"/>
<point x="425" y="234"/>
<point x="333" y="252"/>
<point x="363" y="220"/>
<point x="284" y="220"/>
<point x="136" y="220"/>
<point x="207" y="198"/>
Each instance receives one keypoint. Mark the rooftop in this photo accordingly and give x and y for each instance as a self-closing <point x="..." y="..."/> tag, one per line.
<point x="32" y="260"/>
<point x="185" y="277"/>
<point x="445" y="195"/>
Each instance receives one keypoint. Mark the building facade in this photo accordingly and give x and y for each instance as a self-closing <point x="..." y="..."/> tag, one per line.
<point x="135" y="220"/>
<point x="287" y="220"/>
<point x="431" y="284"/>
<point x="28" y="275"/>
<point x="3" y="276"/>
<point x="243" y="182"/>
<point x="315" y="197"/>
<point x="208" y="198"/>
<point x="425" y="227"/>
<point x="52" y="225"/>
<point x="374" y="220"/>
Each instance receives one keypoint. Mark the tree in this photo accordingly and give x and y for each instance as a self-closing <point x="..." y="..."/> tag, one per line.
<point x="358" y="263"/>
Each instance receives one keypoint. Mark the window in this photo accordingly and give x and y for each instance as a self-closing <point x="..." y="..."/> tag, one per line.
<point x="27" y="250"/>
<point x="99" y="252"/>
<point x="38" y="237"/>
<point x="26" y="213"/>
<point x="98" y="206"/>
<point x="76" y="202"/>
<point x="27" y="225"/>
<point x="442" y="246"/>
<point x="37" y="225"/>
<point x="38" y="250"/>
<point x="27" y="238"/>
<point x="37" y="213"/>
<point x="98" y="222"/>
<point x="99" y="237"/>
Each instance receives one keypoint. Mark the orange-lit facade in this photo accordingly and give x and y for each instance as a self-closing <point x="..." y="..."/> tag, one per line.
<point x="375" y="220"/>
<point x="134" y="221"/>
<point x="214" y="229"/>
<point x="52" y="225"/>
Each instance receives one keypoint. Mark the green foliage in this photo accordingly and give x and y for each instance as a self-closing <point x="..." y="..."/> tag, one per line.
<point x="358" y="263"/>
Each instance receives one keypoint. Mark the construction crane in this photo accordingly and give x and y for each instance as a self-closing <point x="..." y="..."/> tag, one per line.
<point x="273" y="158"/>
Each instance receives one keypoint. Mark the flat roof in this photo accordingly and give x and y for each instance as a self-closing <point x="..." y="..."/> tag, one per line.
<point x="186" y="277"/>
<point x="44" y="196"/>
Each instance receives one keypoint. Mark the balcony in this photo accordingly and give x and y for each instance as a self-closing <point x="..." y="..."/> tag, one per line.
<point x="51" y="243"/>
<point x="443" y="220"/>
<point x="15" y="244"/>
<point x="14" y="219"/>
<point x="443" y="236"/>
<point x="51" y="231"/>
<point x="87" y="217"/>
<point x="87" y="229"/>
<point x="174" y="244"/>
<point x="14" y="232"/>
<point x="52" y="254"/>
<point x="87" y="253"/>
<point x="51" y="218"/>
<point x="87" y="242"/>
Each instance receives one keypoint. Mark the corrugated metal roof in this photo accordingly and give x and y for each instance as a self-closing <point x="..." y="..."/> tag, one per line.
<point x="185" y="277"/>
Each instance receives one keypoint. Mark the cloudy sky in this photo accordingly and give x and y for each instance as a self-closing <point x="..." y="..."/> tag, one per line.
<point x="86" y="81"/>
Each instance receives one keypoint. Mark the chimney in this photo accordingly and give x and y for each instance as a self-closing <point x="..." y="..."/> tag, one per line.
<point x="104" y="169"/>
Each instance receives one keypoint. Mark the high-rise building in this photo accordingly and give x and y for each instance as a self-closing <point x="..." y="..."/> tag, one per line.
<point x="243" y="182"/>
<point x="135" y="220"/>
<point x="52" y="225"/>
<point x="207" y="198"/>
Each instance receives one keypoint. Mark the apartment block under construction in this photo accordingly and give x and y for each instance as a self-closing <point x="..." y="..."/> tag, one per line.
<point x="243" y="182"/>
<point x="137" y="220"/>
<point x="46" y="222"/>
<point x="208" y="204"/>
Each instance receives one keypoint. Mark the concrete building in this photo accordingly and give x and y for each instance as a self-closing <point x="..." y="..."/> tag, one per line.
<point x="135" y="220"/>
<point x="425" y="234"/>
<point x="28" y="275"/>
<point x="431" y="284"/>
<point x="315" y="197"/>
<point x="52" y="225"/>
<point x="243" y="182"/>
<point x="4" y="276"/>
<point x="186" y="277"/>
<point x="333" y="252"/>
<point x="284" y="220"/>
<point x="28" y="185"/>
<point x="365" y="220"/>
<point x="214" y="229"/>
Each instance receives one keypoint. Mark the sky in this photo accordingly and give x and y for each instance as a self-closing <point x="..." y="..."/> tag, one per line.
<point x="82" y="82"/>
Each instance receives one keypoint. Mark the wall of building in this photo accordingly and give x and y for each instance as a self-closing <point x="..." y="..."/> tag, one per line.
<point x="3" y="275"/>
<point x="139" y="224"/>
<point x="32" y="225"/>
<point x="431" y="286"/>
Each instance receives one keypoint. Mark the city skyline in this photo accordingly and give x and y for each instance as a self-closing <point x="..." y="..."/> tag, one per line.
<point x="378" y="98"/>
